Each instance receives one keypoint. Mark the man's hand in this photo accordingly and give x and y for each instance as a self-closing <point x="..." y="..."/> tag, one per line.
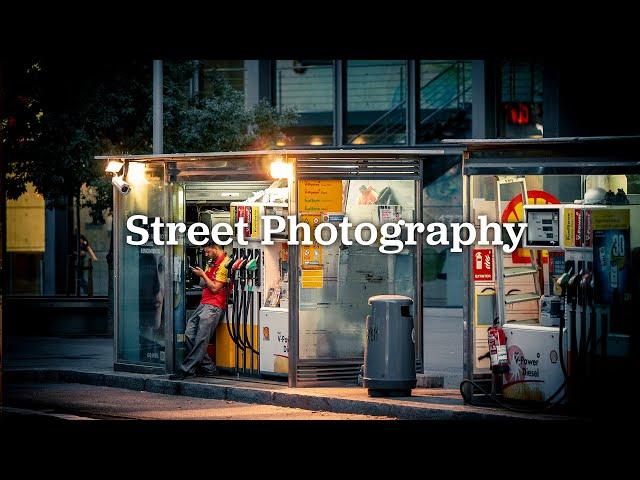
<point x="213" y="285"/>
<point x="197" y="271"/>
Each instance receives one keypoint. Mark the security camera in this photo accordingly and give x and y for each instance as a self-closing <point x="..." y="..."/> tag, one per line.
<point x="123" y="187"/>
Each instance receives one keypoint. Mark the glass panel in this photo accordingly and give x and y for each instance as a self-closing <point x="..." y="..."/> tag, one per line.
<point x="376" y="102"/>
<point x="25" y="236"/>
<point x="141" y="286"/>
<point x="231" y="70"/>
<point x="588" y="283"/>
<point x="445" y="100"/>
<point x="307" y="87"/>
<point x="178" y="211"/>
<point x="442" y="202"/>
<point x="520" y="108"/>
<point x="566" y="189"/>
<point x="24" y="273"/>
<point x="333" y="311"/>
<point x="28" y="223"/>
<point x="96" y="229"/>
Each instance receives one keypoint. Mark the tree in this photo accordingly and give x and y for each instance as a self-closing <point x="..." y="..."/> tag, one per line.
<point x="67" y="112"/>
<point x="216" y="119"/>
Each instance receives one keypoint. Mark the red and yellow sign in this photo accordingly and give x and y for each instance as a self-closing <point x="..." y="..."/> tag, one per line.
<point x="482" y="264"/>
<point x="514" y="212"/>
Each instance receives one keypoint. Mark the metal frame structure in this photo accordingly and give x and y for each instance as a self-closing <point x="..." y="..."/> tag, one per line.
<point x="412" y="84"/>
<point x="547" y="156"/>
<point x="353" y="163"/>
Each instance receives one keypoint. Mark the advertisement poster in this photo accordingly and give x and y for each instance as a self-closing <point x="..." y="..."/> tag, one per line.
<point x="151" y="291"/>
<point x="611" y="255"/>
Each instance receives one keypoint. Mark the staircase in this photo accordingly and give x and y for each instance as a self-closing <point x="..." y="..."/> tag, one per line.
<point x="445" y="106"/>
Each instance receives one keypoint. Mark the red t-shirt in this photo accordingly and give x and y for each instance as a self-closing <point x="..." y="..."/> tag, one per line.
<point x="218" y="272"/>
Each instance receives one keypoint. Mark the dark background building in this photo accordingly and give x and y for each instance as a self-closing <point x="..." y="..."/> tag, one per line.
<point x="361" y="103"/>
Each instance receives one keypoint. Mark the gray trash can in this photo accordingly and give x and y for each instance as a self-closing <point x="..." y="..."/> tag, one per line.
<point x="389" y="352"/>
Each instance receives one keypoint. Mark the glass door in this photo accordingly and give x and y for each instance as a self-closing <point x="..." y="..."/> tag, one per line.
<point x="337" y="280"/>
<point x="177" y="253"/>
<point x="141" y="286"/>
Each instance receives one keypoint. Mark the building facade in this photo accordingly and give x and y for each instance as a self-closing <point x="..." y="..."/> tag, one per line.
<point x="348" y="103"/>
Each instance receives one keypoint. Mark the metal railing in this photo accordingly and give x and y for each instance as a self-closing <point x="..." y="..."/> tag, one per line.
<point x="446" y="91"/>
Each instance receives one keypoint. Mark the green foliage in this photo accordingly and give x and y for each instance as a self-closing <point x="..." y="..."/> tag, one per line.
<point x="70" y="112"/>
<point x="216" y="119"/>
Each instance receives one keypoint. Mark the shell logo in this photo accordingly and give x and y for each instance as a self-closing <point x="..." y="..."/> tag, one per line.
<point x="514" y="212"/>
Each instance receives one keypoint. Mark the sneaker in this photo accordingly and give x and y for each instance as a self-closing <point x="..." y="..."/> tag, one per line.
<point x="179" y="375"/>
<point x="207" y="373"/>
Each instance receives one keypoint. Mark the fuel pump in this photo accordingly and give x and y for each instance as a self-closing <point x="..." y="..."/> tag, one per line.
<point x="593" y="240"/>
<point x="233" y="304"/>
<point x="246" y="344"/>
<point x="572" y="304"/>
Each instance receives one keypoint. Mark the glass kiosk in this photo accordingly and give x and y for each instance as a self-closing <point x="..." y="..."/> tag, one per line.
<point x="300" y="310"/>
<point x="566" y="296"/>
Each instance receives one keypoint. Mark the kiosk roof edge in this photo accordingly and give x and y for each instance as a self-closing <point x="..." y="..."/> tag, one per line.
<point x="318" y="153"/>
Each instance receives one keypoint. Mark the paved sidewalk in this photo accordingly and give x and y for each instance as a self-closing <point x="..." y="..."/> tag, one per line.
<point x="88" y="361"/>
<point x="86" y="353"/>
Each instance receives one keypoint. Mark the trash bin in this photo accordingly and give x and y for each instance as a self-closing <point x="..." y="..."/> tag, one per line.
<point x="389" y="352"/>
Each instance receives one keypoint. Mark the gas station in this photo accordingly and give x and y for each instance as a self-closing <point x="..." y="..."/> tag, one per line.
<point x="545" y="325"/>
<point x="297" y="312"/>
<point x="553" y="323"/>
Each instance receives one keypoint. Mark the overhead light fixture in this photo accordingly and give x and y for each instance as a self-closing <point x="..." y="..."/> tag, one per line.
<point x="359" y="141"/>
<point x="114" y="166"/>
<point x="316" y="141"/>
<point x="281" y="169"/>
<point x="280" y="143"/>
<point x="135" y="173"/>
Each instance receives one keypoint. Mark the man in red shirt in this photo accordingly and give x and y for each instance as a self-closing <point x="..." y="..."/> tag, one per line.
<point x="203" y="322"/>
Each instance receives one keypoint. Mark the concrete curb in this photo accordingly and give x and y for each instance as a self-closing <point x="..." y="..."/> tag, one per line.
<point x="429" y="381"/>
<point x="266" y="396"/>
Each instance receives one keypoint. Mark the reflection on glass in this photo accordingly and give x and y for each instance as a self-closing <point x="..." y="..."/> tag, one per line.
<point x="151" y="291"/>
<point x="332" y="318"/>
<point x="442" y="202"/>
<point x="233" y="71"/>
<point x="445" y="100"/>
<point x="141" y="286"/>
<point x="376" y="102"/>
<point x="521" y="98"/>
<point x="571" y="190"/>
<point x="307" y="87"/>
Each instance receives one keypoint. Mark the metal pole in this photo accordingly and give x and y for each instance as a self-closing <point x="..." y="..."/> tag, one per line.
<point x="78" y="266"/>
<point x="157" y="107"/>
<point x="419" y="303"/>
<point x="196" y="78"/>
<point x="294" y="285"/>
<point x="412" y="101"/>
<point x="3" y="216"/>
<point x="339" y="101"/>
<point x="468" y="345"/>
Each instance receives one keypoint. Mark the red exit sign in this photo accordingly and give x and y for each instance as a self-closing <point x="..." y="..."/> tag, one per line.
<point x="519" y="113"/>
